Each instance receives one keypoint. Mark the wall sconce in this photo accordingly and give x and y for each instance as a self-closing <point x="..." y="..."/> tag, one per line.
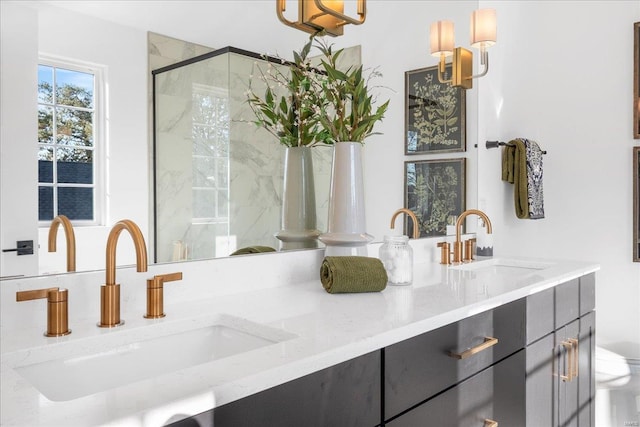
<point x="483" y="35"/>
<point x="319" y="15"/>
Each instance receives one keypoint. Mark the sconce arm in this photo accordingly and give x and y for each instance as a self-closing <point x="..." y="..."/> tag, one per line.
<point x="281" y="7"/>
<point x="484" y="60"/>
<point x="442" y="65"/>
<point x="348" y="20"/>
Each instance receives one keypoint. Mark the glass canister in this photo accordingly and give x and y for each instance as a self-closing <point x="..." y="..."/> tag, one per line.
<point x="397" y="257"/>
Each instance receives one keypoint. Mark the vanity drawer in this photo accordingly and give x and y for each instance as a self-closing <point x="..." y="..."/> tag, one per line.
<point x="540" y="315"/>
<point x="420" y="367"/>
<point x="587" y="293"/>
<point x="567" y="302"/>
<point x="493" y="394"/>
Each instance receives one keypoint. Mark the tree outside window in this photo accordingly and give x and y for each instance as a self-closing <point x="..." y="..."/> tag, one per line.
<point x="66" y="143"/>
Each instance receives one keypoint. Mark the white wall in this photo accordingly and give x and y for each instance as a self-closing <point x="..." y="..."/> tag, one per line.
<point x="123" y="52"/>
<point x="18" y="118"/>
<point x="562" y="75"/>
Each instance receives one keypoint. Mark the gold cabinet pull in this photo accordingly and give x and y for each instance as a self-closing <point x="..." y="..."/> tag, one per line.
<point x="488" y="342"/>
<point x="574" y="343"/>
<point x="571" y="359"/>
<point x="490" y="423"/>
<point x="57" y="309"/>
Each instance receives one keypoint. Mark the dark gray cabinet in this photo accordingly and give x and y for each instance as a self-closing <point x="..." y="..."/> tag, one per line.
<point x="494" y="394"/>
<point x="418" y="368"/>
<point x="347" y="394"/>
<point x="525" y="363"/>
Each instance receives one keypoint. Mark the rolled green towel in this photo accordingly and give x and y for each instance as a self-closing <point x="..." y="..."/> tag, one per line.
<point x="253" y="250"/>
<point x="340" y="274"/>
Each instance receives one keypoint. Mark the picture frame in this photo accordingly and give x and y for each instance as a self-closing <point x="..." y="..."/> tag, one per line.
<point x="435" y="190"/>
<point x="636" y="204"/>
<point x="435" y="113"/>
<point x="636" y="80"/>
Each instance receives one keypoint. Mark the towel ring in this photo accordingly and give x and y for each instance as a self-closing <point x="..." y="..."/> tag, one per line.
<point x="496" y="144"/>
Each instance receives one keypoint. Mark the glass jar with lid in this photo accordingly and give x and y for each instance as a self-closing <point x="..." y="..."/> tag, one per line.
<point x="397" y="257"/>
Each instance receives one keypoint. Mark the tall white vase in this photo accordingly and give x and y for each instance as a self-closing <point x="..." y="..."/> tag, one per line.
<point x="346" y="224"/>
<point x="298" y="201"/>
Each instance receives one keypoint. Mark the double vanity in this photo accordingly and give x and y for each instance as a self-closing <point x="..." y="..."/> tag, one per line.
<point x="497" y="341"/>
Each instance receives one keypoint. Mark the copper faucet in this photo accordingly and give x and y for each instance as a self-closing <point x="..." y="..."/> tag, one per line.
<point x="457" y="245"/>
<point x="71" y="239"/>
<point x="110" y="291"/>
<point x="414" y="219"/>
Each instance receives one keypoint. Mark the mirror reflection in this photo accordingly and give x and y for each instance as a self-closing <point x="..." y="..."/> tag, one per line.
<point x="120" y="45"/>
<point x="218" y="178"/>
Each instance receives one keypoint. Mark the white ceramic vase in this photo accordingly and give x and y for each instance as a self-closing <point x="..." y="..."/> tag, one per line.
<point x="346" y="226"/>
<point x="298" y="201"/>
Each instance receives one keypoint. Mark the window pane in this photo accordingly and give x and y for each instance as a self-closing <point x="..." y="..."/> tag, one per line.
<point x="75" y="203"/>
<point x="204" y="203"/>
<point x="45" y="84"/>
<point x="45" y="203"/>
<point x="45" y="164"/>
<point x="74" y="88"/>
<point x="75" y="165"/>
<point x="74" y="127"/>
<point x="223" y="173"/>
<point x="223" y="204"/>
<point x="45" y="125"/>
<point x="204" y="172"/>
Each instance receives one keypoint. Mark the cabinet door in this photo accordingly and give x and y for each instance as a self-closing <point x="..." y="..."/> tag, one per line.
<point x="497" y="394"/>
<point x="347" y="394"/>
<point x="539" y="386"/>
<point x="566" y="385"/>
<point x="586" y="370"/>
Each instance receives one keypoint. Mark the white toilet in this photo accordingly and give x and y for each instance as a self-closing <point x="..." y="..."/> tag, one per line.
<point x="617" y="389"/>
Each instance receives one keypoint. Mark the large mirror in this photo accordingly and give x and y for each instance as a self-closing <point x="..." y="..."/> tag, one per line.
<point x="115" y="36"/>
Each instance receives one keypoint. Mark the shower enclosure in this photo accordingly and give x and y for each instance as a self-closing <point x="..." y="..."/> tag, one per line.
<point x="217" y="177"/>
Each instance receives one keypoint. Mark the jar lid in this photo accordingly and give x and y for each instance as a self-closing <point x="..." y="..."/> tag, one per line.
<point x="396" y="239"/>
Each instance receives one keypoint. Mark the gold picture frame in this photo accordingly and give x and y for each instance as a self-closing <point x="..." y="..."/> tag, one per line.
<point x="636" y="80"/>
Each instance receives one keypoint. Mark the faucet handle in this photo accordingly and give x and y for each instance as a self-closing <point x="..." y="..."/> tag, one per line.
<point x="155" y="294"/>
<point x="57" y="308"/>
<point x="445" y="253"/>
<point x="468" y="249"/>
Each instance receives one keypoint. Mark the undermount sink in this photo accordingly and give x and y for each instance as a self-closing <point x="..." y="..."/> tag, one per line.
<point x="80" y="375"/>
<point x="504" y="266"/>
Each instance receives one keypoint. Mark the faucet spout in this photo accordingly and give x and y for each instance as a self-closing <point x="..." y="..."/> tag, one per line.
<point x="457" y="246"/>
<point x="110" y="291"/>
<point x="70" y="237"/>
<point x="414" y="219"/>
<point x="112" y="241"/>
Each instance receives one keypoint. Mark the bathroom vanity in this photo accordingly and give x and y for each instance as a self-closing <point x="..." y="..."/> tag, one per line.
<point x="498" y="341"/>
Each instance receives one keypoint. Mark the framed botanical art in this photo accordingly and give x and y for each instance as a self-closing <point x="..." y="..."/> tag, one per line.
<point x="434" y="113"/>
<point x="434" y="191"/>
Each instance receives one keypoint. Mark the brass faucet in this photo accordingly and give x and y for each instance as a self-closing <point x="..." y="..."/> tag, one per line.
<point x="110" y="291"/>
<point x="71" y="239"/>
<point x="414" y="219"/>
<point x="457" y="245"/>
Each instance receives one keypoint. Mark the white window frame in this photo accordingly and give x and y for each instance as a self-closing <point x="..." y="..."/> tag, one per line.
<point x="99" y="135"/>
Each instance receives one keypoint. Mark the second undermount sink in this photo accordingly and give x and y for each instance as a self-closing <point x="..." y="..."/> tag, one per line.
<point x="505" y="266"/>
<point x="79" y="375"/>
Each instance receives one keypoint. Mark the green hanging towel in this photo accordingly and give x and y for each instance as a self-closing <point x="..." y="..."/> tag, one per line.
<point x="340" y="274"/>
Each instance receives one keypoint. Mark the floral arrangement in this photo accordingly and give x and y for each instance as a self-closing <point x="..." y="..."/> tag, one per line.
<point x="348" y="112"/>
<point x="306" y="106"/>
<point x="288" y="108"/>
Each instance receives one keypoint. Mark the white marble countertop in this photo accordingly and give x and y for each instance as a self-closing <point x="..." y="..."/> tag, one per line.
<point x="318" y="330"/>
